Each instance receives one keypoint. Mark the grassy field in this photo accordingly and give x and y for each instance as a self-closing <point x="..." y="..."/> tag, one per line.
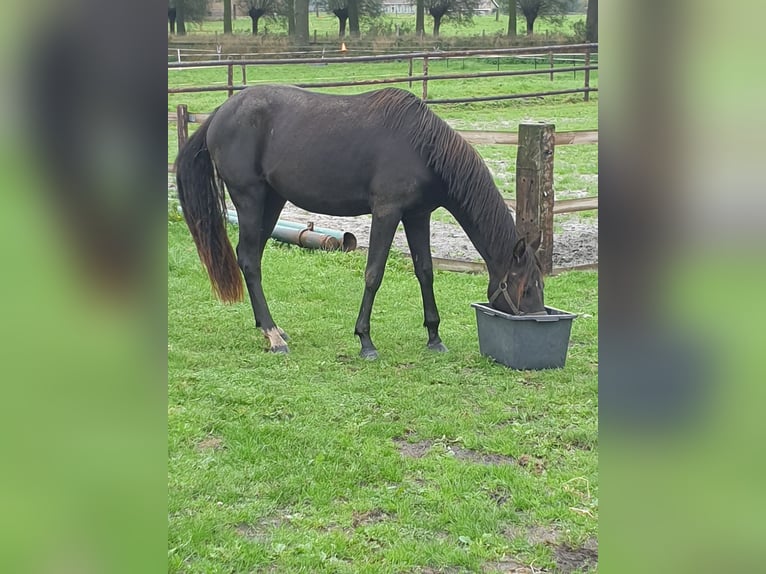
<point x="326" y="26"/>
<point x="321" y="462"/>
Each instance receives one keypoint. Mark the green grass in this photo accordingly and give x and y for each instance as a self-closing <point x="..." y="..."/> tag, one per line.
<point x="293" y="464"/>
<point x="326" y="26"/>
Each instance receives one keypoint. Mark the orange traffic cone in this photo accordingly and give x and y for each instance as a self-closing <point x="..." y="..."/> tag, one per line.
<point x="343" y="47"/>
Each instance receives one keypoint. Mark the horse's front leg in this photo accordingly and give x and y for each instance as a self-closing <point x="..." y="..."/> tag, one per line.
<point x="381" y="235"/>
<point x="257" y="212"/>
<point x="418" y="230"/>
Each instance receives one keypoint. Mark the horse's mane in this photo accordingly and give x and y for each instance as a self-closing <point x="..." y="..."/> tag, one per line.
<point x="468" y="182"/>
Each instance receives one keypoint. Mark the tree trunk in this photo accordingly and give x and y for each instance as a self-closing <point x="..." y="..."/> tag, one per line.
<point x="591" y="22"/>
<point x="353" y="18"/>
<point x="290" y="17"/>
<point x="180" y="23"/>
<point x="302" y="22"/>
<point x="437" y="24"/>
<point x="512" y="18"/>
<point x="342" y="15"/>
<point x="227" y="17"/>
<point x="420" y="17"/>
<point x="530" y="26"/>
<point x="255" y="15"/>
<point x="172" y="20"/>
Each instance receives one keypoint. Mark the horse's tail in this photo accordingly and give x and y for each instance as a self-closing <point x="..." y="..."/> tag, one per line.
<point x="203" y="202"/>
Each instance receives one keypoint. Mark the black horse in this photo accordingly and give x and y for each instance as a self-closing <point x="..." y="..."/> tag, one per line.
<point x="382" y="152"/>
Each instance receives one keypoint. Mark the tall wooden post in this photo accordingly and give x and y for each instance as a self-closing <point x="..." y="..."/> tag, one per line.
<point x="425" y="78"/>
<point x="182" y="123"/>
<point x="550" y="62"/>
<point x="230" y="77"/>
<point x="586" y="93"/>
<point x="534" y="187"/>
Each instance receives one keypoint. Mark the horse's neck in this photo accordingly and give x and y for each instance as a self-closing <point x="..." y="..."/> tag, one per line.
<point x="493" y="242"/>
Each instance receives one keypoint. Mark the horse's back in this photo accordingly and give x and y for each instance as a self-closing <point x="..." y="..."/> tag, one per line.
<point x="325" y="153"/>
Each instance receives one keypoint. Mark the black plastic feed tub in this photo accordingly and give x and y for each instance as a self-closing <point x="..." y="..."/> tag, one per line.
<point x="524" y="341"/>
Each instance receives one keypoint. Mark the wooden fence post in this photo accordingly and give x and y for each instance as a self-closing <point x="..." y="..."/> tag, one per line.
<point x="534" y="187"/>
<point x="409" y="72"/>
<point x="230" y="77"/>
<point x="425" y="79"/>
<point x="586" y="93"/>
<point x="182" y="123"/>
<point x="550" y="61"/>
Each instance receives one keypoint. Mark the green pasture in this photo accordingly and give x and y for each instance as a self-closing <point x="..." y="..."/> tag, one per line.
<point x="326" y="26"/>
<point x="319" y="461"/>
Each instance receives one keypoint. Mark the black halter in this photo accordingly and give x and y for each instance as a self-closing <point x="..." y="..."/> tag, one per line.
<point x="503" y="288"/>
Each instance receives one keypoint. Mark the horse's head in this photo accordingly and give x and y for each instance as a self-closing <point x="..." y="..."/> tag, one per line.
<point x="518" y="289"/>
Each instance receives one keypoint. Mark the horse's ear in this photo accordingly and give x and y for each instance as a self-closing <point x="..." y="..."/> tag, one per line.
<point x="535" y="243"/>
<point x="520" y="248"/>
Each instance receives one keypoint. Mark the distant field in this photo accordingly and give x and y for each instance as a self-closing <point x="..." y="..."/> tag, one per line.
<point x="327" y="25"/>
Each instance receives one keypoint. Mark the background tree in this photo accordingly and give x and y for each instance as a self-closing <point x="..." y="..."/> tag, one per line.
<point x="287" y="11"/>
<point x="353" y="17"/>
<point x="420" y="18"/>
<point x="227" y="28"/>
<point x="455" y="10"/>
<point x="340" y="9"/>
<point x="258" y="9"/>
<point x="512" y="22"/>
<point x="344" y="12"/>
<point x="591" y="21"/>
<point x="301" y="11"/>
<point x="534" y="9"/>
<point x="188" y="11"/>
<point x="172" y="17"/>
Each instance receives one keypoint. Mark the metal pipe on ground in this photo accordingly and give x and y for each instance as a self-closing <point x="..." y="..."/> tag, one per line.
<point x="306" y="235"/>
<point x="346" y="239"/>
<point x="305" y="238"/>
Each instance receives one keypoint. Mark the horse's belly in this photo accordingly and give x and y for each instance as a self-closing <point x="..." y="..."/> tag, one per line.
<point x="328" y="205"/>
<point x="321" y="192"/>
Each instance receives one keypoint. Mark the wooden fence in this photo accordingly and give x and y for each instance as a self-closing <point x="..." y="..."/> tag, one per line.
<point x="535" y="203"/>
<point x="573" y="53"/>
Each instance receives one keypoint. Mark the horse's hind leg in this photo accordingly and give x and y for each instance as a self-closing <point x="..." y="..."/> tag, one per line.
<point x="381" y="235"/>
<point x="258" y="209"/>
<point x="417" y="228"/>
<point x="271" y="210"/>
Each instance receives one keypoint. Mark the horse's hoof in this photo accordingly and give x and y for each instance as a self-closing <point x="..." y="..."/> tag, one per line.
<point x="280" y="350"/>
<point x="284" y="335"/>
<point x="437" y="347"/>
<point x="369" y="354"/>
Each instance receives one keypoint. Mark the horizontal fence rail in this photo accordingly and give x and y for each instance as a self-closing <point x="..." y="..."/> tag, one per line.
<point x="493" y="53"/>
<point x="534" y="53"/>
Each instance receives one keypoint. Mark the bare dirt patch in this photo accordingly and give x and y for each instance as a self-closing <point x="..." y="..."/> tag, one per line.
<point x="413" y="449"/>
<point x="210" y="443"/>
<point x="508" y="566"/>
<point x="260" y="531"/>
<point x="536" y="465"/>
<point x="534" y="534"/>
<point x="575" y="241"/>
<point x="469" y="455"/>
<point x="369" y="518"/>
<point x="421" y="448"/>
<point x="570" y="559"/>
